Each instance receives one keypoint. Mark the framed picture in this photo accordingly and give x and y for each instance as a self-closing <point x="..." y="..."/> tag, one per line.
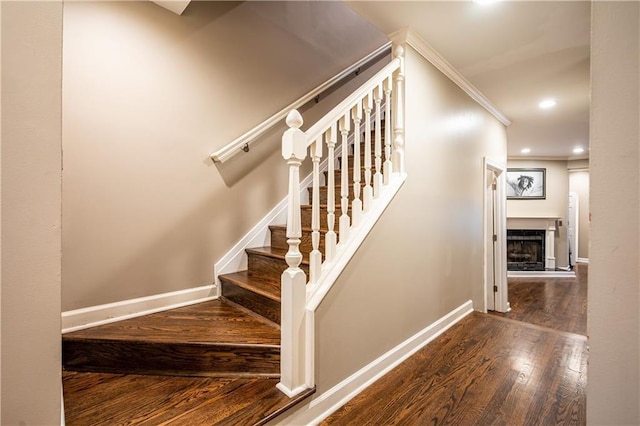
<point x="526" y="184"/>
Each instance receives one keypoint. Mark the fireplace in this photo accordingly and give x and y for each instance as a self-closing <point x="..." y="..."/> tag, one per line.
<point x="525" y="250"/>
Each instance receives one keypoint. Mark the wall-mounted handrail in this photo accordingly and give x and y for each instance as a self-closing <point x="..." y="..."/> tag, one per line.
<point x="320" y="127"/>
<point x="242" y="143"/>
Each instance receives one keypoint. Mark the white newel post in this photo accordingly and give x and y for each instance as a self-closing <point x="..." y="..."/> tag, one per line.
<point x="398" y="108"/>
<point x="292" y="374"/>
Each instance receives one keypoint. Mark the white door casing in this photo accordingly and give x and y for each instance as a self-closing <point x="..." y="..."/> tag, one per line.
<point x="573" y="227"/>
<point x="495" y="237"/>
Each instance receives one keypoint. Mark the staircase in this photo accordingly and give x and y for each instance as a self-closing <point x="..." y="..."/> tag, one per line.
<point x="219" y="362"/>
<point x="169" y="367"/>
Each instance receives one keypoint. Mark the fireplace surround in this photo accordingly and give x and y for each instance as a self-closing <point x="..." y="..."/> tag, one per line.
<point x="545" y="226"/>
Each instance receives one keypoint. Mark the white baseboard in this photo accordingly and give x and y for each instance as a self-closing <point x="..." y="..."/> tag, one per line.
<point x="328" y="402"/>
<point x="541" y="274"/>
<point x="582" y="260"/>
<point x="92" y="316"/>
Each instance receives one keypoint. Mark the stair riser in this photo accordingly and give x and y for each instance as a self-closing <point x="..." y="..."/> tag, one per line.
<point x="268" y="267"/>
<point x="337" y="177"/>
<point x="255" y="302"/>
<point x="350" y="158"/>
<point x="279" y="239"/>
<point x="337" y="195"/>
<point x="307" y="212"/>
<point x="134" y="357"/>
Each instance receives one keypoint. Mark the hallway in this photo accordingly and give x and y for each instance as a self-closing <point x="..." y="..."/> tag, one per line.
<point x="525" y="367"/>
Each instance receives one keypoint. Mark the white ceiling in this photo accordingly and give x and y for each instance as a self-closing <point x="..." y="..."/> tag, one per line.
<point x="516" y="53"/>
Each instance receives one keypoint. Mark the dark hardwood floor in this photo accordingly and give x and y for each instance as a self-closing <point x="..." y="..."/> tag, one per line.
<point x="166" y="400"/>
<point x="528" y="367"/>
<point x="557" y="303"/>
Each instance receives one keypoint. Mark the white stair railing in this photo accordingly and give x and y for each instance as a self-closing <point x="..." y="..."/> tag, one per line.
<point x="299" y="297"/>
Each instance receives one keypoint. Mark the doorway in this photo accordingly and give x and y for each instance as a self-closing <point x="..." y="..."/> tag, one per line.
<point x="495" y="237"/>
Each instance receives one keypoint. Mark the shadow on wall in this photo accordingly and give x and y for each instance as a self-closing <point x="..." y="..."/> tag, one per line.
<point x="234" y="169"/>
<point x="181" y="256"/>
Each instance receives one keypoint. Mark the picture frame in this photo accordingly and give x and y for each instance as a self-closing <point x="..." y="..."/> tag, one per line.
<point x="526" y="184"/>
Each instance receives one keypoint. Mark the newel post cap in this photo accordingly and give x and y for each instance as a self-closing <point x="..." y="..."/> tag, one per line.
<point x="294" y="141"/>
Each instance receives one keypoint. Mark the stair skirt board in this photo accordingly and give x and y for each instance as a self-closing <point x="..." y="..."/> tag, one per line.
<point x="325" y="404"/>
<point x="92" y="316"/>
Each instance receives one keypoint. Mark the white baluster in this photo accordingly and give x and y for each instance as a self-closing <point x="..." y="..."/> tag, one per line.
<point x="367" y="195"/>
<point x="293" y="280"/>
<point x="386" y="168"/>
<point x="398" y="107"/>
<point x="345" y="126"/>
<point x="330" y="238"/>
<point x="356" y="204"/>
<point x="377" y="177"/>
<point x="315" y="257"/>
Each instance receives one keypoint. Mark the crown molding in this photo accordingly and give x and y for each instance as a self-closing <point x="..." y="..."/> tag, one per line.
<point x="176" y="6"/>
<point x="413" y="39"/>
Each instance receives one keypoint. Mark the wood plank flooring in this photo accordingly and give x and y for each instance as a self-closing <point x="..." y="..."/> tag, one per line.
<point x="527" y="367"/>
<point x="165" y="400"/>
<point x="484" y="370"/>
<point x="557" y="303"/>
<point x="214" y="321"/>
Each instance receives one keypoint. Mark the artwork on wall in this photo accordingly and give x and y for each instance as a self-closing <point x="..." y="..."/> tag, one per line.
<point x="526" y="184"/>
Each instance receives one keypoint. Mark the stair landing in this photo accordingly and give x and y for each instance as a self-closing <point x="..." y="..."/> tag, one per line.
<point x="212" y="363"/>
<point x="215" y="338"/>
<point x="115" y="399"/>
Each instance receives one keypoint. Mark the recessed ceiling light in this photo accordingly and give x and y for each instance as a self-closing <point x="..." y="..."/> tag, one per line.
<point x="484" y="1"/>
<point x="547" y="103"/>
<point x="578" y="150"/>
<point x="525" y="150"/>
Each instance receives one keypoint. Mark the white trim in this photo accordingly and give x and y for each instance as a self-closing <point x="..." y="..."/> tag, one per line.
<point x="175" y="6"/>
<point x="324" y="405"/>
<point x="582" y="260"/>
<point x="236" y="258"/>
<point x="541" y="274"/>
<point x="92" y="316"/>
<point x="413" y="39"/>
<point x="501" y="303"/>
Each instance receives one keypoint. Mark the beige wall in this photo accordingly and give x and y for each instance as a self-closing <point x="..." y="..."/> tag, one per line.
<point x="31" y="202"/>
<point x="554" y="205"/>
<point x="425" y="256"/>
<point x="148" y="95"/>
<point x="579" y="183"/>
<point x="613" y="392"/>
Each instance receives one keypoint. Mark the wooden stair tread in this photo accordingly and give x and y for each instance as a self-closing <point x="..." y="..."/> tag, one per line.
<point x="273" y="252"/>
<point x="266" y="288"/>
<point x="213" y="322"/>
<point x="108" y="399"/>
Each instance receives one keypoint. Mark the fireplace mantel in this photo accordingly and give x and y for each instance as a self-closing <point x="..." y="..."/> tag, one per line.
<point x="549" y="226"/>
